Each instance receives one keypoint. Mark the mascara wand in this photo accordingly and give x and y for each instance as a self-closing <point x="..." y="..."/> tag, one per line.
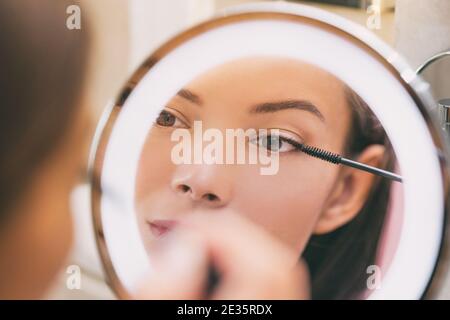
<point x="338" y="159"/>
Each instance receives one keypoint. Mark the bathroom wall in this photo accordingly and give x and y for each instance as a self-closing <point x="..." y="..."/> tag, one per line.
<point x="153" y="22"/>
<point x="422" y="29"/>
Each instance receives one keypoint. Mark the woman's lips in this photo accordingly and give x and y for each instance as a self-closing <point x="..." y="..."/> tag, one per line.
<point x="161" y="227"/>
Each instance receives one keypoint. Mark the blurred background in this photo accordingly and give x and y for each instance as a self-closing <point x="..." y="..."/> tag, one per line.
<point x="126" y="32"/>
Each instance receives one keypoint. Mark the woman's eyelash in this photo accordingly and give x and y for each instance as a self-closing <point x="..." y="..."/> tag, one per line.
<point x="167" y="118"/>
<point x="297" y="145"/>
<point x="274" y="143"/>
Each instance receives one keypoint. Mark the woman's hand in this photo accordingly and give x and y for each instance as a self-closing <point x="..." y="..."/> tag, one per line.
<point x="251" y="263"/>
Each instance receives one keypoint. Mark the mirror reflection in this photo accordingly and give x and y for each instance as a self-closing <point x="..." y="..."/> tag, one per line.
<point x="333" y="216"/>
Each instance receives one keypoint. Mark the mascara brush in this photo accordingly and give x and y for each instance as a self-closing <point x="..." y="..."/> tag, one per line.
<point x="338" y="159"/>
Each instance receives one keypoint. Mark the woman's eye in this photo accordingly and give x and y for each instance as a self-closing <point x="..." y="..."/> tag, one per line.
<point x="167" y="119"/>
<point x="273" y="143"/>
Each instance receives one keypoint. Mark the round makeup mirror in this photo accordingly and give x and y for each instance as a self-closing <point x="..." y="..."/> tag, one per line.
<point x="340" y="157"/>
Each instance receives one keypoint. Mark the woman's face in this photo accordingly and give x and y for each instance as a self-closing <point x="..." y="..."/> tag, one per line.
<point x="305" y="103"/>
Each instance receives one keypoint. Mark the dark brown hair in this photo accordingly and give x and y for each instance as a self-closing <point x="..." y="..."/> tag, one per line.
<point x="338" y="260"/>
<point x="41" y="70"/>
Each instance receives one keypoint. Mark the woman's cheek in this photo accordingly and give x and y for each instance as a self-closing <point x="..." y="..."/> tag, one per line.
<point x="155" y="166"/>
<point x="284" y="204"/>
<point x="152" y="180"/>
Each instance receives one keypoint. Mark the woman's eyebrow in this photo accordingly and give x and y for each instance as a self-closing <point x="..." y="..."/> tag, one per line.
<point x="303" y="105"/>
<point x="190" y="96"/>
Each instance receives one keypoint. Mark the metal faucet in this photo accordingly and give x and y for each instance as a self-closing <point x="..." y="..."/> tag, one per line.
<point x="444" y="104"/>
<point x="444" y="114"/>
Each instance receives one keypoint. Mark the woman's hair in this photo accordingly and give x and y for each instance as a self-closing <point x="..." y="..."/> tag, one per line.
<point x="338" y="260"/>
<point x="41" y="70"/>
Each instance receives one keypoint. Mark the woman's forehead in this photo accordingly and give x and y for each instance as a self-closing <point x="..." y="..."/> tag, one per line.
<point x="266" y="68"/>
<point x="267" y="79"/>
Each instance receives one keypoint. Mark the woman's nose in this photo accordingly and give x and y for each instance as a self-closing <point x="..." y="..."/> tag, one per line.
<point x="207" y="185"/>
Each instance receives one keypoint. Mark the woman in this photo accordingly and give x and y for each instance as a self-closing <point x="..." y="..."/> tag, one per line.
<point x="43" y="138"/>
<point x="331" y="215"/>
